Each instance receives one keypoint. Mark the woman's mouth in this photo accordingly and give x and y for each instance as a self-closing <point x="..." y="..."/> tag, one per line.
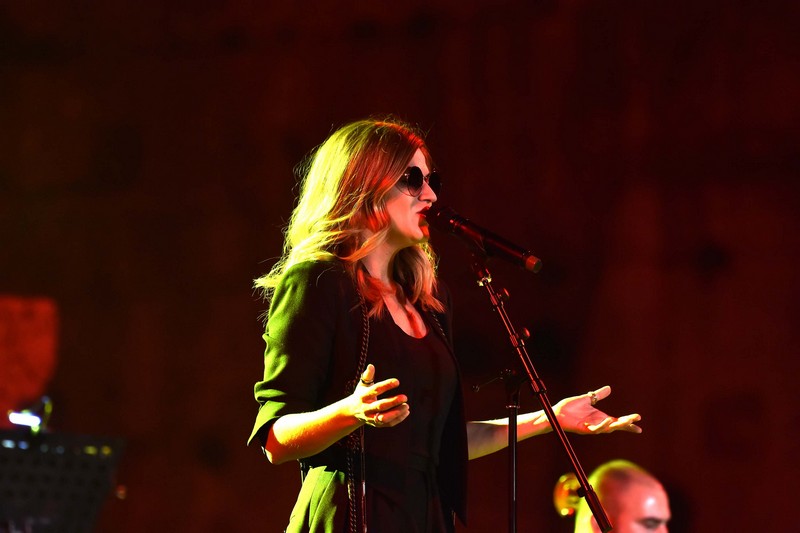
<point x="423" y="216"/>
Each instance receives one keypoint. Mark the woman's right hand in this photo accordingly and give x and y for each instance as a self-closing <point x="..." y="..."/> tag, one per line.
<point x="375" y="411"/>
<point x="298" y="435"/>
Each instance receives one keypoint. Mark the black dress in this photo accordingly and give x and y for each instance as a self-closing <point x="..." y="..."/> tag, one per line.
<point x="401" y="472"/>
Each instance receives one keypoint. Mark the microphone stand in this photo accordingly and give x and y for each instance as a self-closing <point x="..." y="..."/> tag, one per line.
<point x="538" y="388"/>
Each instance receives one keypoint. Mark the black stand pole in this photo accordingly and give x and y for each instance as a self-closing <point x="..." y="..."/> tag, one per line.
<point x="538" y="388"/>
<point x="512" y="389"/>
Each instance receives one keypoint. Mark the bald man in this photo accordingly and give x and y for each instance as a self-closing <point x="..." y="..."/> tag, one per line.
<point x="634" y="500"/>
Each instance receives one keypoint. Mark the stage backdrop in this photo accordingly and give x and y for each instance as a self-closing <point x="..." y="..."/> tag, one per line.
<point x="647" y="152"/>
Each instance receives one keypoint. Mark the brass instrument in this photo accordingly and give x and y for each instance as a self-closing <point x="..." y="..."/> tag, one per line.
<point x="565" y="495"/>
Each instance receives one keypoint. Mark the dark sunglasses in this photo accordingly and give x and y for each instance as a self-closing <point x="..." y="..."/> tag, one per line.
<point x="412" y="179"/>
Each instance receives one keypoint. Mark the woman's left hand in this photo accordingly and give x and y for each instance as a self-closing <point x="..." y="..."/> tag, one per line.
<point x="578" y="414"/>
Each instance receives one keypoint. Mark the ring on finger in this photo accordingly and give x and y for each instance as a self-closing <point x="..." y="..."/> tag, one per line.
<point x="593" y="396"/>
<point x="367" y="382"/>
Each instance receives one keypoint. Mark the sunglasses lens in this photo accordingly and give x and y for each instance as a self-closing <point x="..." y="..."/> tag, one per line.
<point x="435" y="182"/>
<point x="412" y="181"/>
<point x="415" y="180"/>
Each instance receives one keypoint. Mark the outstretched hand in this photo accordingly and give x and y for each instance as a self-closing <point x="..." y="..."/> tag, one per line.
<point x="379" y="412"/>
<point x="578" y="414"/>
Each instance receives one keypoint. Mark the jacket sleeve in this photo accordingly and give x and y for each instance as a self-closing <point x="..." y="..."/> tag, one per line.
<point x="299" y="343"/>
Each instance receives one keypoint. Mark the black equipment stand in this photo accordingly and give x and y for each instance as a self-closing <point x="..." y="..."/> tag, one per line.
<point x="538" y="388"/>
<point x="54" y="482"/>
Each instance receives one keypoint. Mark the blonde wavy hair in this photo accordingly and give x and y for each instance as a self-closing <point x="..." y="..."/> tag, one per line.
<point x="344" y="185"/>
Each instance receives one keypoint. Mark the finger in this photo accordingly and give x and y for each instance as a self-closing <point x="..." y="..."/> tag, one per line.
<point x="368" y="376"/>
<point x="627" y="420"/>
<point x="627" y="423"/>
<point x="630" y="427"/>
<point x="602" y="393"/>
<point x="392" y="417"/>
<point x="386" y="404"/>
<point x="385" y="385"/>
<point x="602" y="426"/>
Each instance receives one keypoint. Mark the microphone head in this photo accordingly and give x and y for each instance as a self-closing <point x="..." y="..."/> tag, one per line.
<point x="479" y="239"/>
<point x="441" y="217"/>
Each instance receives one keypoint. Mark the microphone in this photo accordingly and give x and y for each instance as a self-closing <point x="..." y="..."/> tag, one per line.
<point x="482" y="240"/>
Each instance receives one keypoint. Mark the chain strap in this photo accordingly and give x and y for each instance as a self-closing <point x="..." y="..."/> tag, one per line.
<point x="439" y="325"/>
<point x="355" y="441"/>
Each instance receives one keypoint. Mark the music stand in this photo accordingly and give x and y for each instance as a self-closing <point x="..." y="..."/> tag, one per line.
<point x="54" y="482"/>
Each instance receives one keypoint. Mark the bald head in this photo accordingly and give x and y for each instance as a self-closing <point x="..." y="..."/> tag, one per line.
<point x="633" y="499"/>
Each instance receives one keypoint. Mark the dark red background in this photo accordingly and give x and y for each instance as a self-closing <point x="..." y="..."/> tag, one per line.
<point x="648" y="152"/>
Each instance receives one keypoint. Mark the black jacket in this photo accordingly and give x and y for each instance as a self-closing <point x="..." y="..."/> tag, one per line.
<point x="313" y="343"/>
